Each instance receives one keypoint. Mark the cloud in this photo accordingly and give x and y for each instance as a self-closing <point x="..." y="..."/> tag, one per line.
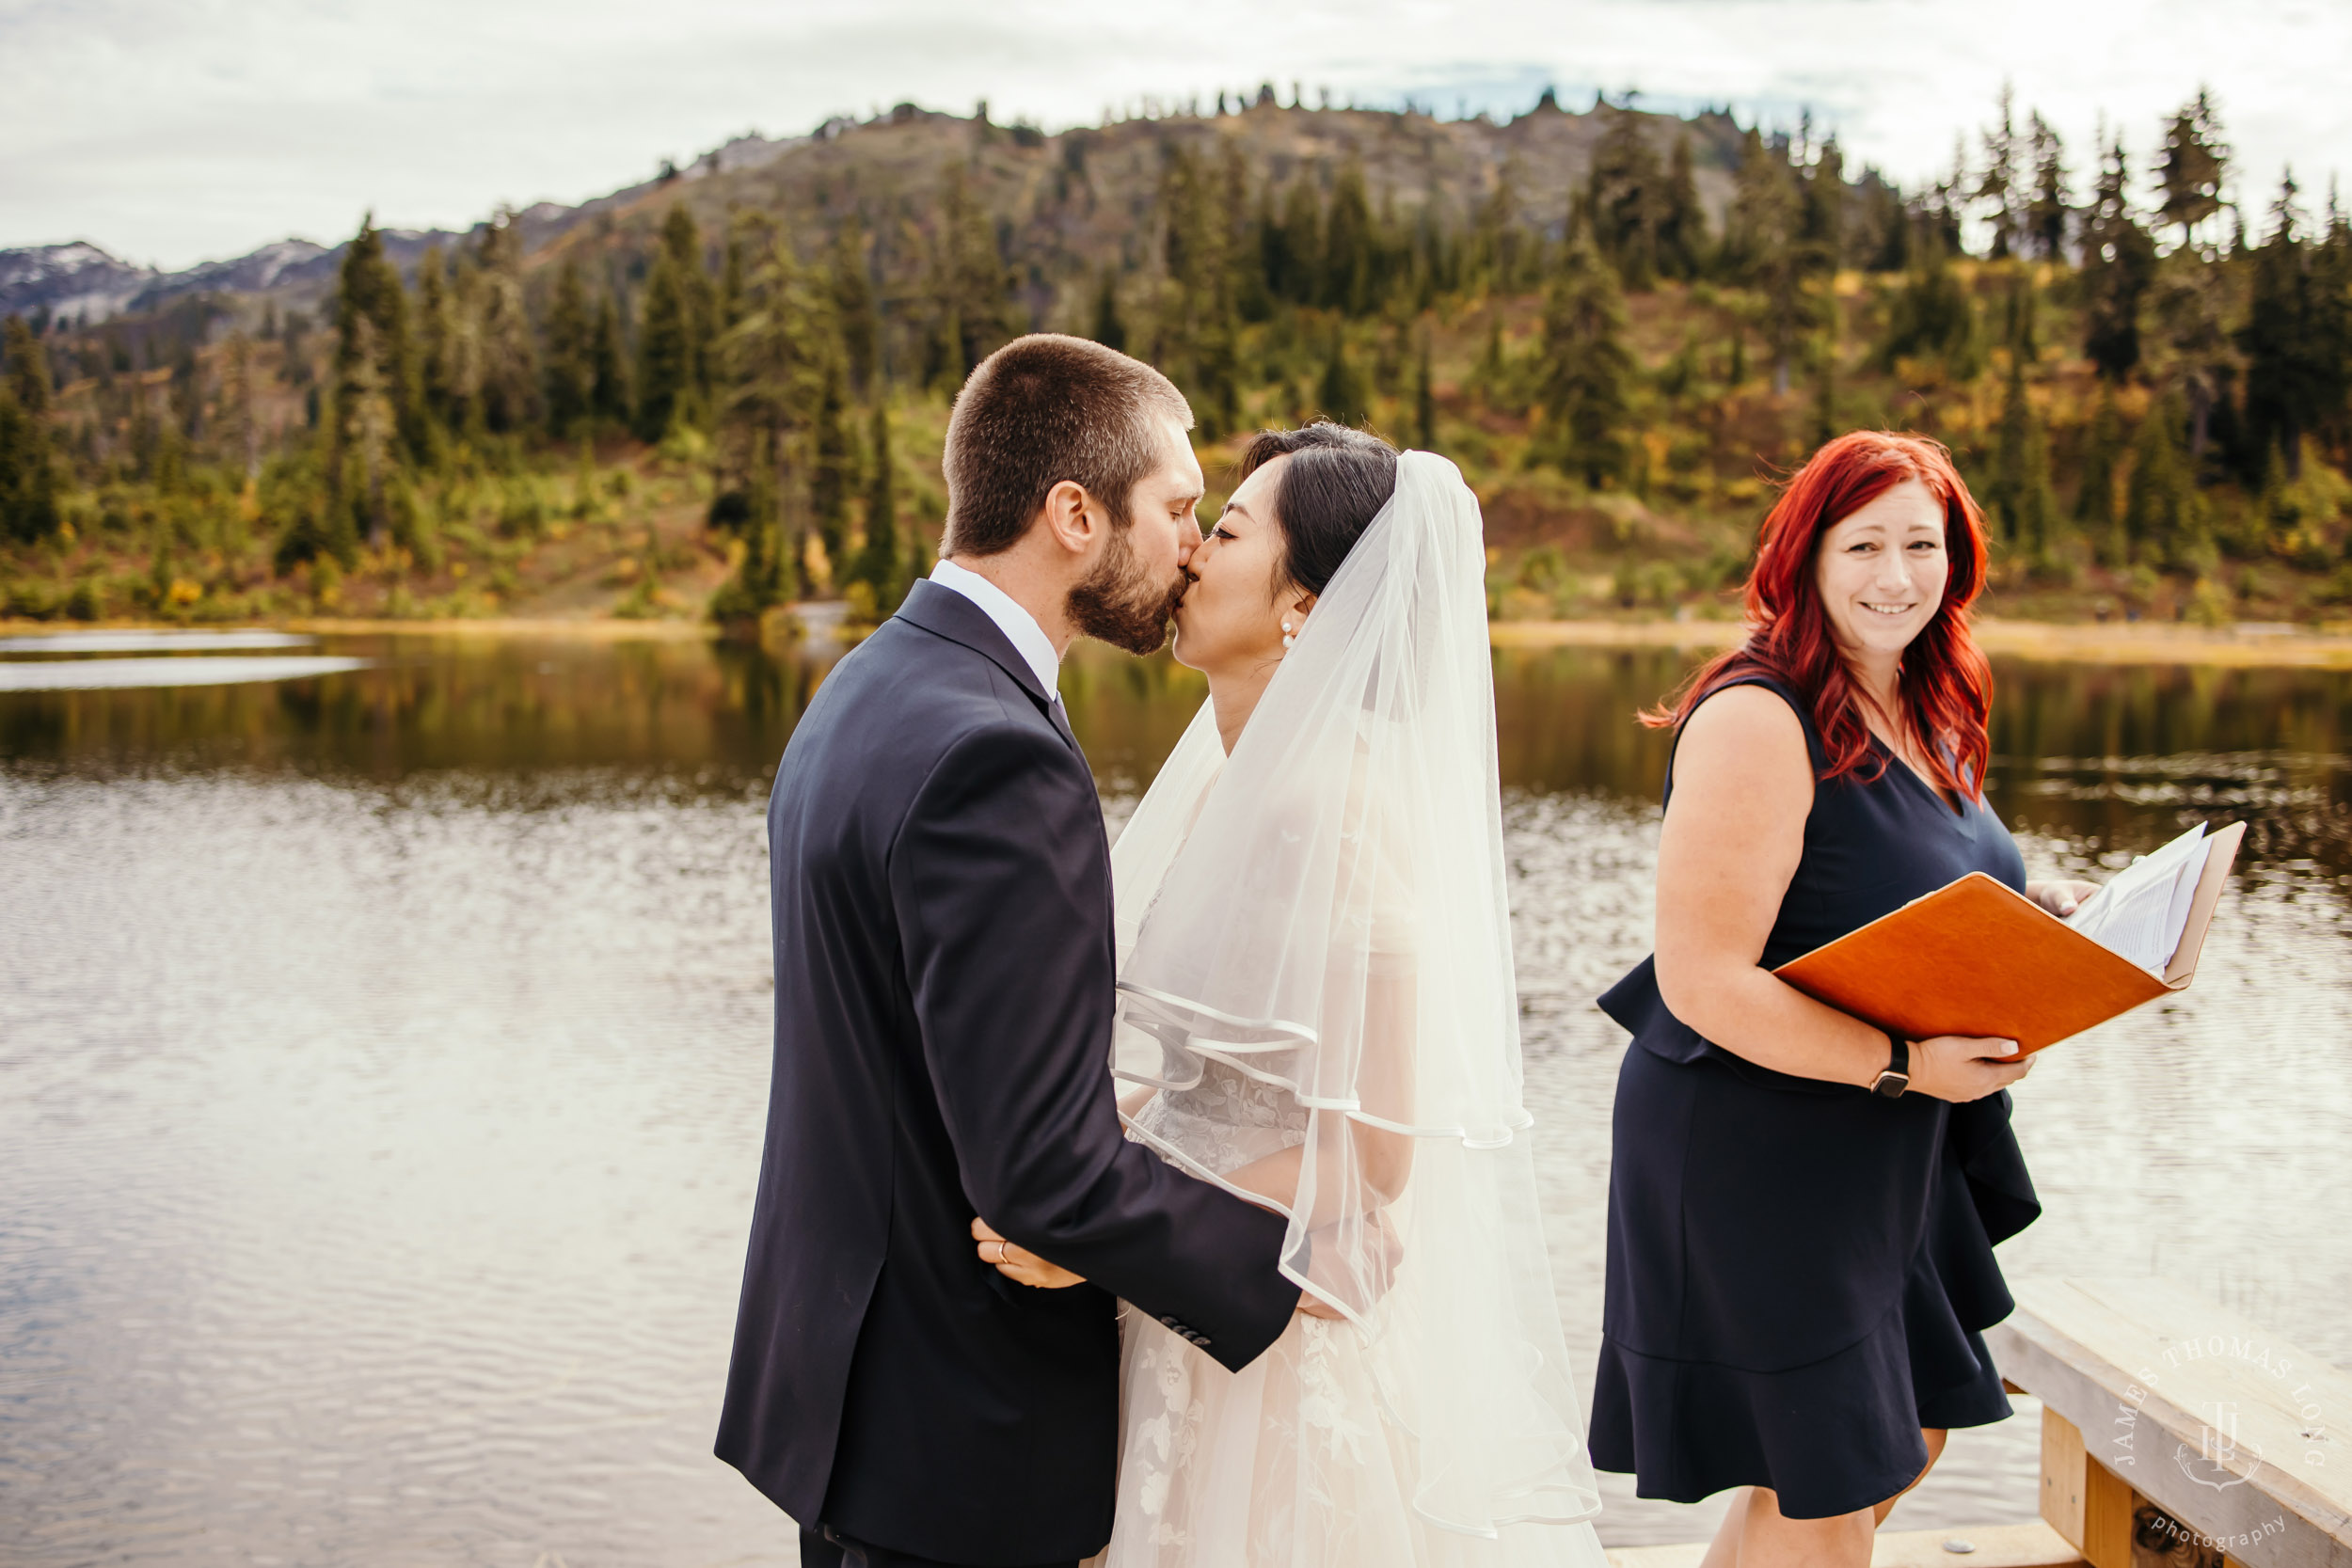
<point x="177" y="131"/>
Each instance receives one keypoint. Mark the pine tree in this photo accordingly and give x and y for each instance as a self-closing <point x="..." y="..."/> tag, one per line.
<point x="1767" y="249"/>
<point x="2048" y="212"/>
<point x="2194" y="165"/>
<point x="1425" y="401"/>
<point x="1626" y="199"/>
<point x="1341" y="394"/>
<point x="611" y="404"/>
<point x="571" y="368"/>
<point x="371" y="375"/>
<point x="1110" y="328"/>
<point x="830" y="475"/>
<point x="1682" y="222"/>
<point x="2118" y="264"/>
<point x="2024" y="505"/>
<point x="1586" y="372"/>
<point x="671" y="333"/>
<point x="2001" y="185"/>
<point x="2102" y="459"/>
<point x="28" y="464"/>
<point x="2164" y="515"/>
<point x="855" y="308"/>
<point x="971" y="285"/>
<point x="774" y="365"/>
<point x="1348" y="246"/>
<point x="883" y="564"/>
<point x="2295" y="368"/>
<point x="509" y="376"/>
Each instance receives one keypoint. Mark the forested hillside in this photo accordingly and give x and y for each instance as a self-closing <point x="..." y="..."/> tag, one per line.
<point x="726" y="390"/>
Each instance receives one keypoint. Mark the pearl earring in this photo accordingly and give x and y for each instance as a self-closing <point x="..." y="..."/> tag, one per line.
<point x="1289" y="636"/>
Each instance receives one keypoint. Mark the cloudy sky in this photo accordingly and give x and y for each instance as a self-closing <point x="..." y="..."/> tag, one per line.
<point x="175" y="130"/>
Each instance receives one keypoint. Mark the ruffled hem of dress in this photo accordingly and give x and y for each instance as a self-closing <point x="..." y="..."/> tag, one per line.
<point x="1830" y="1438"/>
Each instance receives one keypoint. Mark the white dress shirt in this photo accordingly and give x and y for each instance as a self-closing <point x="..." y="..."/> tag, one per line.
<point x="1020" y="627"/>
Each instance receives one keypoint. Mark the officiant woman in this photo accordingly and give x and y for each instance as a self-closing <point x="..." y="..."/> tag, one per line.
<point x="1803" y="1208"/>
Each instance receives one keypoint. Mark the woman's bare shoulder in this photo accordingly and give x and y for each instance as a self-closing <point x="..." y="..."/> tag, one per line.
<point x="1750" y="722"/>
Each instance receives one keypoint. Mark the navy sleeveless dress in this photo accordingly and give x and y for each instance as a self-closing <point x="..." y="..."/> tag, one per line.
<point x="1799" y="1272"/>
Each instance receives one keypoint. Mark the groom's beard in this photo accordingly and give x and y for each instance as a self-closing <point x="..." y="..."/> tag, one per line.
<point x="1123" y="606"/>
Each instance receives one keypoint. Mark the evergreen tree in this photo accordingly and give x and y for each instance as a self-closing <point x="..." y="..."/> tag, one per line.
<point x="670" y="332"/>
<point x="2118" y="264"/>
<point x="1425" y="401"/>
<point x="883" y="564"/>
<point x="2194" y="164"/>
<point x="510" y="375"/>
<point x="830" y="476"/>
<point x="1626" y="199"/>
<point x="1294" y="247"/>
<point x="1767" y="249"/>
<point x="774" y="365"/>
<point x="1587" y="371"/>
<point x="1342" y="392"/>
<point x="1110" y="328"/>
<point x="28" y="464"/>
<point x="971" y="285"/>
<point x="1348" y="245"/>
<point x="2295" y="359"/>
<point x="611" y="404"/>
<point x="2103" y="451"/>
<point x="571" y="366"/>
<point x="2164" y="515"/>
<point x="371" y="377"/>
<point x="2187" y="303"/>
<point x="2048" y="212"/>
<point x="2001" y="185"/>
<point x="1682" y="225"/>
<point x="855" y="308"/>
<point x="2024" y="506"/>
<point x="438" y="351"/>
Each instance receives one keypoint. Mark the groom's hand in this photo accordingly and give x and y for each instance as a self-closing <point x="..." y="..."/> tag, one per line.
<point x="1017" y="1263"/>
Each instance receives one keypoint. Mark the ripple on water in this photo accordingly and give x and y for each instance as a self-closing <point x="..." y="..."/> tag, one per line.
<point x="382" y="1157"/>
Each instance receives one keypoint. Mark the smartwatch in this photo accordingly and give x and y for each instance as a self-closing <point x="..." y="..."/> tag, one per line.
<point x="1896" y="1076"/>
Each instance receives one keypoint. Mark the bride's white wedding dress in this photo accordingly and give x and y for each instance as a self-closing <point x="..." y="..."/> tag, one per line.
<point x="1316" y="954"/>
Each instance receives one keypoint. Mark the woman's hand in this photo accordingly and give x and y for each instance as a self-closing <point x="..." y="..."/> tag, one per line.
<point x="1959" y="1068"/>
<point x="1018" y="1264"/>
<point x="2061" y="897"/>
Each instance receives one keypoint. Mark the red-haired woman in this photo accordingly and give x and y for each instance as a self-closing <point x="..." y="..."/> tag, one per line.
<point x="1803" y="1208"/>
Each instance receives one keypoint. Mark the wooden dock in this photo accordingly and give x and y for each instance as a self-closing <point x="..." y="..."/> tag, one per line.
<point x="2174" y="1435"/>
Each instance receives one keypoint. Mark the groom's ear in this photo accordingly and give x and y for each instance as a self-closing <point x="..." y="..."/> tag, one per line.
<point x="1070" y="521"/>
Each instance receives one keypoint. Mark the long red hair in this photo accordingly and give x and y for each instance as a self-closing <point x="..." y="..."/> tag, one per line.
<point x="1946" y="685"/>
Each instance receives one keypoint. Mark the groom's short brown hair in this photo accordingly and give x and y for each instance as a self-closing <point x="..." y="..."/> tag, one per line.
<point x="1043" y="410"/>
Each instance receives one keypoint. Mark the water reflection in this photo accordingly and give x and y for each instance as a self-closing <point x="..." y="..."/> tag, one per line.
<point x="385" y="1055"/>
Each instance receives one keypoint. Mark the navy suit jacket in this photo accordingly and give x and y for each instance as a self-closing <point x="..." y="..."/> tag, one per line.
<point x="942" y="897"/>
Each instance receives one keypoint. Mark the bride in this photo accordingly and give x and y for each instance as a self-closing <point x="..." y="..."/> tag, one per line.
<point x="1316" y="1010"/>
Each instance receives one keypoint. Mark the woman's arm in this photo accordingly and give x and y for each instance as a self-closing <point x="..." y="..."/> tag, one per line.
<point x="1733" y="834"/>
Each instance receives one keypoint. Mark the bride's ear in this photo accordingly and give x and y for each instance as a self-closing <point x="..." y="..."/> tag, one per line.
<point x="1302" y="604"/>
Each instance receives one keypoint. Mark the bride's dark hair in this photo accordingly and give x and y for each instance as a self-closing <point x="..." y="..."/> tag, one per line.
<point x="1335" y="483"/>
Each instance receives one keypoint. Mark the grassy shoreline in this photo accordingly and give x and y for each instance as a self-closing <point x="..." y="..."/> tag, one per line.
<point x="2245" y="645"/>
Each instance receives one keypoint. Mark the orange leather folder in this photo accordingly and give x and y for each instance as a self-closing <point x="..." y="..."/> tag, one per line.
<point x="1975" y="959"/>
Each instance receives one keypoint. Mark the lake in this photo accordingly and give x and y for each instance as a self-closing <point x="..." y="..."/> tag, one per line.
<point x="384" y="1039"/>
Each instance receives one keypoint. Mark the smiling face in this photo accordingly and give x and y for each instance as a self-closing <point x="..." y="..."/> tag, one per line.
<point x="1881" y="571"/>
<point x="1231" y="614"/>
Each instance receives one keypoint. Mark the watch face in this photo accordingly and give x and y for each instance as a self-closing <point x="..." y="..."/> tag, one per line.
<point x="1891" y="1085"/>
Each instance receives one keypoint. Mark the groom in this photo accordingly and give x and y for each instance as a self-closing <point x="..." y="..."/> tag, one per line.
<point x="942" y="900"/>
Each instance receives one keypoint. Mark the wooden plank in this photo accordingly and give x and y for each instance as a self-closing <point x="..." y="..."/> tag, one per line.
<point x="2062" y="1481"/>
<point x="2108" y="1505"/>
<point x="2220" y="1424"/>
<point x="2029" y="1545"/>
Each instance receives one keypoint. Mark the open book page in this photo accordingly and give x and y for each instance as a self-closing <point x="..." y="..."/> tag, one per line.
<point x="2140" y="913"/>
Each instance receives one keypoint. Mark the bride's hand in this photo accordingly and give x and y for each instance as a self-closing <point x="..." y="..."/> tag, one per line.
<point x="1017" y="1263"/>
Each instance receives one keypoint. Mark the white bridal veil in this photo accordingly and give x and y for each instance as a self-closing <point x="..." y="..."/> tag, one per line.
<point x="1336" y="925"/>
